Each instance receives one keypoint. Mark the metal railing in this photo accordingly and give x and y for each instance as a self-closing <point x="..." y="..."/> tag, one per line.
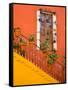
<point x="36" y="56"/>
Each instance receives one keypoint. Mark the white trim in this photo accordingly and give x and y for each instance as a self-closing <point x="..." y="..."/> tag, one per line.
<point x="38" y="29"/>
<point x="38" y="35"/>
<point x="54" y="32"/>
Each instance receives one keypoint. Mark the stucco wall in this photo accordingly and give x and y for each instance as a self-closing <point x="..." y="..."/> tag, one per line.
<point x="25" y="17"/>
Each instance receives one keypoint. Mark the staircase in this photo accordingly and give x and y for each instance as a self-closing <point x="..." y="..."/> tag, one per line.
<point x="36" y="56"/>
<point x="26" y="73"/>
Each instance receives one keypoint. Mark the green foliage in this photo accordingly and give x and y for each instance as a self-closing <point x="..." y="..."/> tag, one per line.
<point x="53" y="56"/>
<point x="50" y="61"/>
<point x="31" y="38"/>
<point x="22" y="41"/>
<point x="45" y="45"/>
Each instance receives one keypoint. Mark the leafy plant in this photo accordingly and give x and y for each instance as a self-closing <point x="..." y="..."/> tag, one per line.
<point x="31" y="38"/>
<point x="22" y="41"/>
<point x="51" y="61"/>
<point x="45" y="45"/>
<point x="52" y="58"/>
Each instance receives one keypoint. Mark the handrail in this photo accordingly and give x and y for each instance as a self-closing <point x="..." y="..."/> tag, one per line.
<point x="38" y="47"/>
<point x="37" y="57"/>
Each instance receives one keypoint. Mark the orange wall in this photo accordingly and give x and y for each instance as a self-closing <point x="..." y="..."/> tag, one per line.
<point x="25" y="17"/>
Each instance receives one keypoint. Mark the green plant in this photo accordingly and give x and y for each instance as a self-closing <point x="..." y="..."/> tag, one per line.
<point x="22" y="41"/>
<point x="52" y="58"/>
<point x="51" y="61"/>
<point x="45" y="45"/>
<point x="31" y="38"/>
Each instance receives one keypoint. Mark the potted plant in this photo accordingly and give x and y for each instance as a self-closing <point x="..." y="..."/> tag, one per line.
<point x="22" y="46"/>
<point x="31" y="40"/>
<point x="51" y="60"/>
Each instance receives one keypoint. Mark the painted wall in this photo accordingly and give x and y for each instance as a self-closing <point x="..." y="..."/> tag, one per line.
<point x="25" y="17"/>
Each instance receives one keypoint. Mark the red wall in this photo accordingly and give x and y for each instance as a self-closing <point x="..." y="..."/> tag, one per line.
<point x="25" y="17"/>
